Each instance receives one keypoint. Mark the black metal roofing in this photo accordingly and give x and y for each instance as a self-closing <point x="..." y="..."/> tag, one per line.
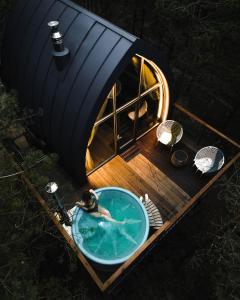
<point x="70" y="98"/>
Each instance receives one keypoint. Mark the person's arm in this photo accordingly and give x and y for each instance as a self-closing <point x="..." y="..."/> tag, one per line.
<point x="94" y="193"/>
<point x="80" y="204"/>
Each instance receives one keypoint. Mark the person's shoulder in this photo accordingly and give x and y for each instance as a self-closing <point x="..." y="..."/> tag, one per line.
<point x="84" y="208"/>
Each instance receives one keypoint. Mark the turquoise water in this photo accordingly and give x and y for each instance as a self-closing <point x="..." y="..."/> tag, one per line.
<point x="105" y="240"/>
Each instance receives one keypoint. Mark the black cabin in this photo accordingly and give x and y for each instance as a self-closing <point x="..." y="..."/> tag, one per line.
<point x="95" y="101"/>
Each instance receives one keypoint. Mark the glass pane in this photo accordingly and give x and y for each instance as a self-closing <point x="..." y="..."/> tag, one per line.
<point x="100" y="144"/>
<point x="148" y="77"/>
<point x="107" y="108"/>
<point x="125" y="125"/>
<point x="148" y="111"/>
<point x="128" y="83"/>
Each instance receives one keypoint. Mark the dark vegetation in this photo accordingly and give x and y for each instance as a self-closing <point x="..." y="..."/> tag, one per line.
<point x="200" y="259"/>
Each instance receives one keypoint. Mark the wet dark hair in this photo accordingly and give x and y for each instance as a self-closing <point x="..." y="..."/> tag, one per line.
<point x="86" y="196"/>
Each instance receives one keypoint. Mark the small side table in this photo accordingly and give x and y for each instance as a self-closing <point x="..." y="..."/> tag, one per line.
<point x="179" y="158"/>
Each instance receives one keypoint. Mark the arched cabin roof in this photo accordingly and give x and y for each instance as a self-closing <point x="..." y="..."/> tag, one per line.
<point x="71" y="98"/>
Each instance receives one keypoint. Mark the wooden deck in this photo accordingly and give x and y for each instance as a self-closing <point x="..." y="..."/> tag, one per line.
<point x="146" y="168"/>
<point x="160" y="155"/>
<point x="143" y="169"/>
<point x="140" y="176"/>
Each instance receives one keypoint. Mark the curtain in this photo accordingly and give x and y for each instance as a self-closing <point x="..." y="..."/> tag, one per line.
<point x="89" y="160"/>
<point x="147" y="78"/>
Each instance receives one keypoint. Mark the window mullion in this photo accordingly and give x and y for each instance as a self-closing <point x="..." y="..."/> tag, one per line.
<point x="115" y="117"/>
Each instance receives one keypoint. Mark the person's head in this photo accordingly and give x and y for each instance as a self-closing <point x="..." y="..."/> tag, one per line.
<point x="87" y="197"/>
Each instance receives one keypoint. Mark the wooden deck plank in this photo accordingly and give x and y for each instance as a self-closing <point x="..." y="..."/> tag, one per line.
<point x="158" y="181"/>
<point x="117" y="173"/>
<point x="160" y="156"/>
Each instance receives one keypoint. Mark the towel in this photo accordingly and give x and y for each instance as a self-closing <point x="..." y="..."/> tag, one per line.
<point x="155" y="218"/>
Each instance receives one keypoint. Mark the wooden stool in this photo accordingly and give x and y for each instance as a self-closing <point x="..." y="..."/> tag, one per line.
<point x="179" y="158"/>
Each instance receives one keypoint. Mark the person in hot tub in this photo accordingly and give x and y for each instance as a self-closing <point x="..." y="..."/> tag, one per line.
<point x="89" y="203"/>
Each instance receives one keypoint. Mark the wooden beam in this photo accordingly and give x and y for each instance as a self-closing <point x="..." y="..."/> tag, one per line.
<point x="199" y="120"/>
<point x="68" y="239"/>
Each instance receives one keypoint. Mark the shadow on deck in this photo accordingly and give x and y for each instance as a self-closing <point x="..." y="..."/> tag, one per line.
<point x="147" y="169"/>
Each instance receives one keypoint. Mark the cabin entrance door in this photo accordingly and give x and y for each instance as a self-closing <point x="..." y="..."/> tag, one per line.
<point x="126" y="127"/>
<point x="136" y="119"/>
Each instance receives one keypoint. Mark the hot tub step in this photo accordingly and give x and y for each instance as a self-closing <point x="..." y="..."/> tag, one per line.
<point x="130" y="153"/>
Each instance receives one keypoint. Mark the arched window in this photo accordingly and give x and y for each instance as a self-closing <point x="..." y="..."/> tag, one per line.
<point x="138" y="101"/>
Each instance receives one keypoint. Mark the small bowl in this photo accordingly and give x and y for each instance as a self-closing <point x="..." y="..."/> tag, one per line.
<point x="179" y="158"/>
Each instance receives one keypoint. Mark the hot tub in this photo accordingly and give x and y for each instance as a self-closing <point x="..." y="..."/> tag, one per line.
<point x="109" y="243"/>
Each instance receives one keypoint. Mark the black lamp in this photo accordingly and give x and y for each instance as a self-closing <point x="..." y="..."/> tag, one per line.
<point x="51" y="188"/>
